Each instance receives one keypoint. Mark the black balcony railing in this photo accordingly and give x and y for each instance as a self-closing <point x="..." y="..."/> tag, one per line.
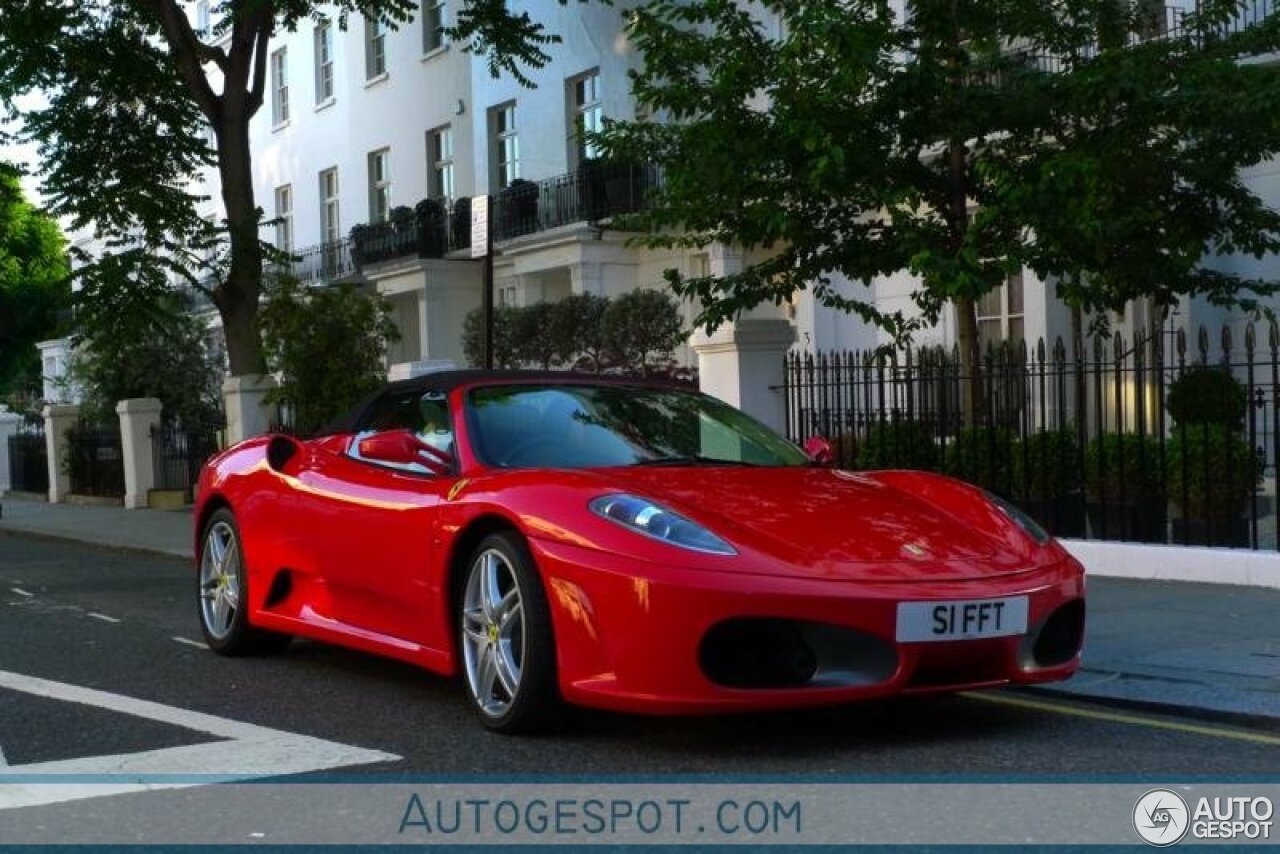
<point x="595" y="192"/>
<point x="435" y="228"/>
<point x="319" y="265"/>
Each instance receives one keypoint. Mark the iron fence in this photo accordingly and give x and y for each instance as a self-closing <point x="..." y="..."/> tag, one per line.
<point x="29" y="459"/>
<point x="1139" y="439"/>
<point x="178" y="453"/>
<point x="95" y="460"/>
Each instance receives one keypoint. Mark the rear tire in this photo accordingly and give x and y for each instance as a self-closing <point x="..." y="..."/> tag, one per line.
<point x="505" y="643"/>
<point x="222" y="593"/>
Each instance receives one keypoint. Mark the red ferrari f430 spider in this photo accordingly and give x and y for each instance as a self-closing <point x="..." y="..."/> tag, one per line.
<point x="625" y="545"/>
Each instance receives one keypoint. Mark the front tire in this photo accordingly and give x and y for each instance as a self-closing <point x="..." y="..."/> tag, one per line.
<point x="222" y="585"/>
<point x="505" y="638"/>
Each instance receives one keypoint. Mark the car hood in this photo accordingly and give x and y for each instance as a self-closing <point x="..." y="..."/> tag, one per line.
<point x="823" y="523"/>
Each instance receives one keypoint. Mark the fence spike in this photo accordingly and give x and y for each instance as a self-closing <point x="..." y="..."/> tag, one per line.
<point x="1273" y="334"/>
<point x="1250" y="340"/>
<point x="1180" y="343"/>
<point x="1040" y="350"/>
<point x="1226" y="344"/>
<point x="1059" y="351"/>
<point x="1202" y="341"/>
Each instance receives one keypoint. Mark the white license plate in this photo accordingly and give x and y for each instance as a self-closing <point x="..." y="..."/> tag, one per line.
<point x="964" y="620"/>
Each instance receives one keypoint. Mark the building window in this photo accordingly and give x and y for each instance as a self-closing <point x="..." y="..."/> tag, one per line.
<point x="506" y="145"/>
<point x="330" y="214"/>
<point x="507" y="297"/>
<point x="324" y="61"/>
<point x="284" y="218"/>
<point x="1000" y="313"/>
<point x="379" y="185"/>
<point x="375" y="48"/>
<point x="433" y="24"/>
<point x="202" y="18"/>
<point x="280" y="86"/>
<point x="440" y="162"/>
<point x="587" y="114"/>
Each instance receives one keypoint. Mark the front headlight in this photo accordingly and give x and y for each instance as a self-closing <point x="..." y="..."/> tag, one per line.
<point x="653" y="520"/>
<point x="1028" y="525"/>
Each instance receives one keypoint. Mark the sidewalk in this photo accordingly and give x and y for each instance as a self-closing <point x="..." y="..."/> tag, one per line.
<point x="1211" y="648"/>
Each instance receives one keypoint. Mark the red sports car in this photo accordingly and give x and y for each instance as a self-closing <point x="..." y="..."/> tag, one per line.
<point x="619" y="544"/>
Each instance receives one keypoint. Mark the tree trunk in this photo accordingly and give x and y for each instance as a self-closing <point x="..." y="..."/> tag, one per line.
<point x="237" y="296"/>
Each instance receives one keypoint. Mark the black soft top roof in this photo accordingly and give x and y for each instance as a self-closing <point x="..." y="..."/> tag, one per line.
<point x="447" y="381"/>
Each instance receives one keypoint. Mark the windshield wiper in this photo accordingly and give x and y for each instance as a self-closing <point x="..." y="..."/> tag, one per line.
<point x="691" y="460"/>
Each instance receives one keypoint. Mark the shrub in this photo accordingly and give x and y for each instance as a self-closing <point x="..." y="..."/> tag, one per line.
<point x="982" y="456"/>
<point x="899" y="444"/>
<point x="1207" y="395"/>
<point x="504" y="343"/>
<point x="1212" y="471"/>
<point x="640" y="328"/>
<point x="1123" y="468"/>
<point x="327" y="345"/>
<point x="577" y="328"/>
<point x="1046" y="465"/>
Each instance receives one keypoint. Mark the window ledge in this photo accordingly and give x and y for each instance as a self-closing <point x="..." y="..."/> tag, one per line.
<point x="376" y="79"/>
<point x="326" y="103"/>
<point x="435" y="51"/>
<point x="279" y="126"/>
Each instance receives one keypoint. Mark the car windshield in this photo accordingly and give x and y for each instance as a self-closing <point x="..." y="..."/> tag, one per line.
<point x="588" y="426"/>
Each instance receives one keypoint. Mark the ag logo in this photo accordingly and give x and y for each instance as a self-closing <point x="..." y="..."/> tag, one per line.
<point x="1161" y="817"/>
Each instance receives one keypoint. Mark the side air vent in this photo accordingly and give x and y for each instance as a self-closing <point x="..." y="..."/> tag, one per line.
<point x="280" y="450"/>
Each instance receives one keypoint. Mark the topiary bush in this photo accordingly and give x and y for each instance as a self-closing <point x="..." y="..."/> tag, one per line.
<point x="1207" y="395"/>
<point x="898" y="444"/>
<point x="1212" y="472"/>
<point x="982" y="456"/>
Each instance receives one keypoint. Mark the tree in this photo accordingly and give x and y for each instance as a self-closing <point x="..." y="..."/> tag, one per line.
<point x="34" y="289"/>
<point x="327" y="346"/>
<point x="639" y="328"/>
<point x="967" y="140"/>
<point x="128" y="89"/>
<point x="165" y="355"/>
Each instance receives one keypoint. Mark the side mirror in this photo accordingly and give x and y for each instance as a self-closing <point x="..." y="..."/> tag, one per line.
<point x="402" y="448"/>
<point x="818" y="449"/>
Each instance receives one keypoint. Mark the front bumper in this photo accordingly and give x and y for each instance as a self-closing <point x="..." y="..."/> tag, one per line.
<point x="629" y="633"/>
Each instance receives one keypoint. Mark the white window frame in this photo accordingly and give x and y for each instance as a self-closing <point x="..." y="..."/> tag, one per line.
<point x="380" y="185"/>
<point x="434" y="20"/>
<point x="324" y="62"/>
<point x="505" y="144"/>
<point x="586" y="113"/>
<point x="280" y="86"/>
<point x="284" y="217"/>
<point x="375" y="48"/>
<point x="330" y="206"/>
<point x="440" y="173"/>
<point x="1008" y="316"/>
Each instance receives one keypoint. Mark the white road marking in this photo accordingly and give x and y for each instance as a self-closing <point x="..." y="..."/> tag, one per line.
<point x="21" y="592"/>
<point x="188" y="642"/>
<point x="248" y="751"/>
<point x="102" y="617"/>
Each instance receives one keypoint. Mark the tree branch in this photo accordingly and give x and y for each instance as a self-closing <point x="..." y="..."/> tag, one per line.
<point x="264" y="29"/>
<point x="189" y="54"/>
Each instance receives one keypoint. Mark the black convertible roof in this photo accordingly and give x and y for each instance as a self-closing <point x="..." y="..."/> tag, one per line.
<point x="447" y="381"/>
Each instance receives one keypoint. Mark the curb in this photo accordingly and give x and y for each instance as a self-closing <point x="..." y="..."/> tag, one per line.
<point x="59" y="537"/>
<point x="1243" y="720"/>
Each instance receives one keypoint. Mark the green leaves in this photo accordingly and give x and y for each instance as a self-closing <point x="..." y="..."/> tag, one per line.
<point x="327" y="345"/>
<point x="34" y="291"/>
<point x="961" y="142"/>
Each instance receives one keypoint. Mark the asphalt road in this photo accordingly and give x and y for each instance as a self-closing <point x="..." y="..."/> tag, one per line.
<point x="125" y="623"/>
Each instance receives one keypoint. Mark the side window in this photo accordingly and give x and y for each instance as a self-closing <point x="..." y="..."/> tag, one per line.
<point x="426" y="414"/>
